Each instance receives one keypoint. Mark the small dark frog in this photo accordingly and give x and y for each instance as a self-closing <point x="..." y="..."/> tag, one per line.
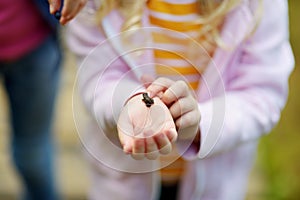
<point x="147" y="100"/>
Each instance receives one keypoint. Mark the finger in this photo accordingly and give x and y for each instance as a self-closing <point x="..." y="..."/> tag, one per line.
<point x="151" y="148"/>
<point x="188" y="119"/>
<point x="68" y="7"/>
<point x="128" y="147"/>
<point x="126" y="142"/>
<point x="182" y="106"/>
<point x="172" y="134"/>
<point x="70" y="10"/>
<point x="54" y="5"/>
<point x="138" y="151"/>
<point x="158" y="86"/>
<point x="175" y="91"/>
<point x="125" y="130"/>
<point x="163" y="143"/>
<point x="67" y="14"/>
<point x="146" y="80"/>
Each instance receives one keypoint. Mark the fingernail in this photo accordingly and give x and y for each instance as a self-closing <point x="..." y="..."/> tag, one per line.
<point x="126" y="148"/>
<point x="174" y="133"/>
<point x="51" y="8"/>
<point x="149" y="94"/>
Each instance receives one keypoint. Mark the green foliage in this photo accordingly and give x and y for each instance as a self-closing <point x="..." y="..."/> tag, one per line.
<point x="279" y="153"/>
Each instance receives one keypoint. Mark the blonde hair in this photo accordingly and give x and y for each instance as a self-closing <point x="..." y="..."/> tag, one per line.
<point x="211" y="16"/>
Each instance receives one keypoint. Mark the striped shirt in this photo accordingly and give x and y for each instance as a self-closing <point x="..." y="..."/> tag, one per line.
<point x="176" y="57"/>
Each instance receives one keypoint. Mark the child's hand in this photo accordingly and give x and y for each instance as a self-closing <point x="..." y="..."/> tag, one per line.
<point x="146" y="131"/>
<point x="182" y="105"/>
<point x="70" y="8"/>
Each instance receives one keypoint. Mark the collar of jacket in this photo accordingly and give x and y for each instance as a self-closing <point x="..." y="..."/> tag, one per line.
<point x="241" y="17"/>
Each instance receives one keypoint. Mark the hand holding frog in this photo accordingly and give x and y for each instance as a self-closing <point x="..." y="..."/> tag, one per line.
<point x="182" y="105"/>
<point x="146" y="131"/>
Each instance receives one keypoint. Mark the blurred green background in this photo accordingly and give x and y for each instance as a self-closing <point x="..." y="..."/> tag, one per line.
<point x="278" y="164"/>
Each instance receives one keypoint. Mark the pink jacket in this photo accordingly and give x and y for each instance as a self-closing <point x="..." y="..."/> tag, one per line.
<point x="241" y="97"/>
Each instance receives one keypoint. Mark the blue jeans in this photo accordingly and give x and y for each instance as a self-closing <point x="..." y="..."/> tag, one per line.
<point x="31" y="83"/>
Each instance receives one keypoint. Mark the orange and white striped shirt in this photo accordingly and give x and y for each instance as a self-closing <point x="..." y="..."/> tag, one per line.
<point x="174" y="56"/>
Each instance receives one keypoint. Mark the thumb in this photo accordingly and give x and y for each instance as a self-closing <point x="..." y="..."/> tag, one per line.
<point x="146" y="80"/>
<point x="54" y="5"/>
<point x="126" y="142"/>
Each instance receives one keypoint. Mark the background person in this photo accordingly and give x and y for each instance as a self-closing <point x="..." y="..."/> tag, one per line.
<point x="30" y="59"/>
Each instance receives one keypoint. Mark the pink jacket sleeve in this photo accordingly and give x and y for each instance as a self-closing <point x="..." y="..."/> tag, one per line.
<point x="256" y="87"/>
<point x="104" y="80"/>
